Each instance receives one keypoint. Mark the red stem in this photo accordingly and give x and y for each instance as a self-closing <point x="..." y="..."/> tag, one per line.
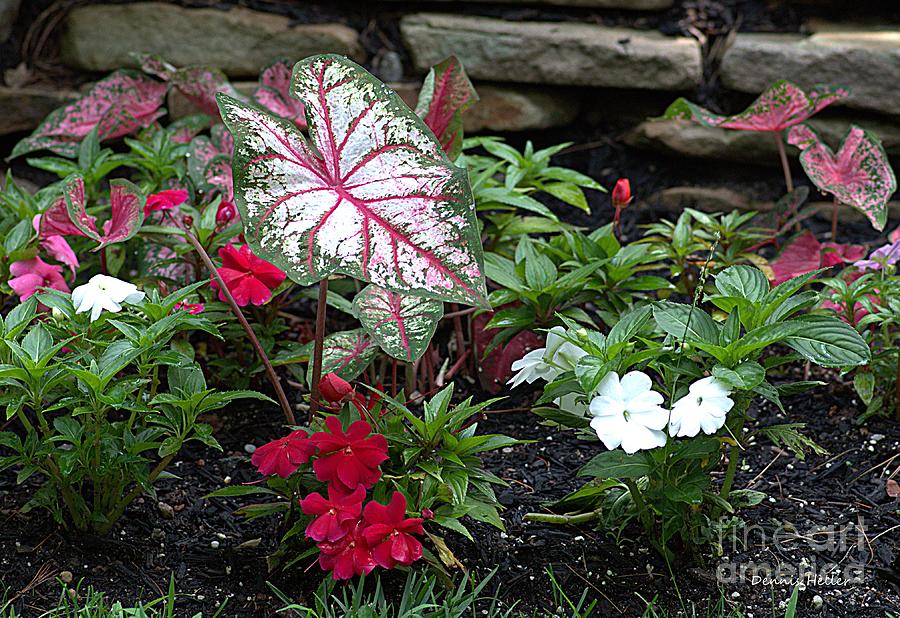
<point x="321" y="307"/>
<point x="834" y="218"/>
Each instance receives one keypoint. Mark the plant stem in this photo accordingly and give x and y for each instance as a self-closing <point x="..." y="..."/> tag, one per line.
<point x="134" y="493"/>
<point x="270" y="371"/>
<point x="643" y="513"/>
<point x="834" y="218"/>
<point x="785" y="168"/>
<point x="553" y="518"/>
<point x="458" y="330"/>
<point x="321" y="307"/>
<point x="897" y="391"/>
<point x="734" y="456"/>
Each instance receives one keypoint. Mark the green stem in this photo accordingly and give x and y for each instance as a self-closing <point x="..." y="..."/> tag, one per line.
<point x="116" y="513"/>
<point x="318" y="345"/>
<point x="643" y="513"/>
<point x="734" y="457"/>
<point x="553" y="518"/>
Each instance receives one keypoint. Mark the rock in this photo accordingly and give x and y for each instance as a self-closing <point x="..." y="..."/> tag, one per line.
<point x="22" y="109"/>
<point x="388" y="66"/>
<point x="9" y="11"/>
<point x="705" y="199"/>
<point x="868" y="62"/>
<point x="165" y="510"/>
<point x="66" y="577"/>
<point x="563" y="53"/>
<point x="817" y="602"/>
<point x="679" y="137"/>
<point x="510" y="108"/>
<point x="631" y="5"/>
<point x="239" y="41"/>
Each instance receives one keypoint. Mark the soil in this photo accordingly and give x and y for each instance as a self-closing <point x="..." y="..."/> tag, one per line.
<point x="215" y="555"/>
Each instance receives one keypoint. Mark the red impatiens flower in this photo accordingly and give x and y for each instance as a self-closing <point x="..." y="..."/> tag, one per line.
<point x="390" y="533"/>
<point x="31" y="275"/>
<point x="335" y="515"/>
<point x="285" y="455"/>
<point x="165" y="200"/>
<point x="249" y="279"/>
<point x="348" y="556"/>
<point x="349" y="458"/>
<point x="226" y="214"/>
<point x="621" y="193"/>
<point x="334" y="389"/>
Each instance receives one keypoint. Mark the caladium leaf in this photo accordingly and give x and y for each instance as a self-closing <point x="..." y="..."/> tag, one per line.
<point x="401" y="324"/>
<point x="347" y="353"/>
<point x="782" y="105"/>
<point x="126" y="204"/>
<point x="373" y="196"/>
<point x="199" y="85"/>
<point x="117" y="105"/>
<point x="56" y="221"/>
<point x="204" y="149"/>
<point x="806" y="254"/>
<point x="274" y="92"/>
<point x="445" y="95"/>
<point x="858" y="174"/>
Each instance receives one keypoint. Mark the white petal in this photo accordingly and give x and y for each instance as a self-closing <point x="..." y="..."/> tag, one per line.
<point x="635" y="383"/>
<point x="648" y="400"/>
<point x="134" y="298"/>
<point x="568" y="356"/>
<point x="639" y="438"/>
<point x="711" y="424"/>
<point x="610" y="386"/>
<point x="654" y="418"/>
<point x="554" y="341"/>
<point x="569" y="403"/>
<point x="81" y="298"/>
<point x="605" y="407"/>
<point x="609" y="430"/>
<point x="709" y="387"/>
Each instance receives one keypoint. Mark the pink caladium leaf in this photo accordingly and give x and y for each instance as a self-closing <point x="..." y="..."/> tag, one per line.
<point x="781" y="106"/>
<point x="56" y="220"/>
<point x="401" y="324"/>
<point x="118" y="105"/>
<point x="806" y="254"/>
<point x="858" y="174"/>
<point x="204" y="149"/>
<point x="373" y="196"/>
<point x="198" y="84"/>
<point x="445" y="95"/>
<point x="184" y="130"/>
<point x="274" y="92"/>
<point x="126" y="204"/>
<point x="219" y="177"/>
<point x="347" y="353"/>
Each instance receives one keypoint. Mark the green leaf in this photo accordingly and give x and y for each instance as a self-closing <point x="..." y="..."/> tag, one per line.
<point x="685" y="322"/>
<point x="626" y="328"/>
<point x="747" y="282"/>
<point x="829" y="342"/>
<point x="617" y="464"/>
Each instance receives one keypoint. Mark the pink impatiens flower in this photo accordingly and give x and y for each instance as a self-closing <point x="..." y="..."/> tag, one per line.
<point x="333" y="515"/>
<point x="165" y="200"/>
<point x="390" y="533"/>
<point x="31" y="275"/>
<point x="250" y="279"/>
<point x="350" y="458"/>
<point x="285" y="455"/>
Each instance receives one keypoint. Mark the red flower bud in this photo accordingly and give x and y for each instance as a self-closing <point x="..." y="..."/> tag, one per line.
<point x="334" y="388"/>
<point x="427" y="513"/>
<point x="621" y="194"/>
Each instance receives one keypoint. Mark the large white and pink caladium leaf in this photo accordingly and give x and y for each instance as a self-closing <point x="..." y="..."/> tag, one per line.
<point x="118" y="105"/>
<point x="782" y="105"/>
<point x="274" y="92"/>
<point x="445" y="95"/>
<point x="401" y="324"/>
<point x="858" y="174"/>
<point x="126" y="203"/>
<point x="372" y="196"/>
<point x="347" y="353"/>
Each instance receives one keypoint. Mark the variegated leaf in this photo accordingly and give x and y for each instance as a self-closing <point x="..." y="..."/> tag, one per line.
<point x="118" y="105"/>
<point x="126" y="206"/>
<point x="373" y="196"/>
<point x="401" y="324"/>
<point x="347" y="353"/>
<point x="445" y="95"/>
<point x="198" y="84"/>
<point x="858" y="174"/>
<point x="274" y="92"/>
<point x="781" y="106"/>
<point x="204" y="149"/>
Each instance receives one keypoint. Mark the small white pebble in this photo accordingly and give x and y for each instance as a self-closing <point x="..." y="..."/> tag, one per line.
<point x="214" y="544"/>
<point x="250" y="448"/>
<point x="227" y="480"/>
<point x="735" y="595"/>
<point x="818" y="602"/>
<point x="220" y="536"/>
<point x="578" y="538"/>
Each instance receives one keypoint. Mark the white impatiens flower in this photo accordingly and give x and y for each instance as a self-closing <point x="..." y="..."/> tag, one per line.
<point x="548" y="362"/>
<point x="104" y="293"/>
<point x="704" y="407"/>
<point x="569" y="403"/>
<point x="627" y="413"/>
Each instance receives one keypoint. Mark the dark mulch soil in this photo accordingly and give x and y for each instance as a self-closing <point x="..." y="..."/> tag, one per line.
<point x="216" y="556"/>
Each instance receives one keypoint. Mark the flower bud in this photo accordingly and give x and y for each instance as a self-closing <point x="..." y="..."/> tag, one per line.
<point x="334" y="388"/>
<point x="621" y="193"/>
<point x="427" y="513"/>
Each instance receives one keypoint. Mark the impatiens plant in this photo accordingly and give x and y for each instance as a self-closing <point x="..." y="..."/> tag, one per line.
<point x="616" y="386"/>
<point x="98" y="425"/>
<point x="858" y="174"/>
<point x="374" y="451"/>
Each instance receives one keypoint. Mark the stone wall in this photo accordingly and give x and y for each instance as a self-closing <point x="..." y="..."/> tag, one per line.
<point x="538" y="64"/>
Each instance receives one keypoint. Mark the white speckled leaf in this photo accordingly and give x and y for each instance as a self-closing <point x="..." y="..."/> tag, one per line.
<point x="402" y="324"/>
<point x="347" y="353"/>
<point x="858" y="174"/>
<point x="371" y="195"/>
